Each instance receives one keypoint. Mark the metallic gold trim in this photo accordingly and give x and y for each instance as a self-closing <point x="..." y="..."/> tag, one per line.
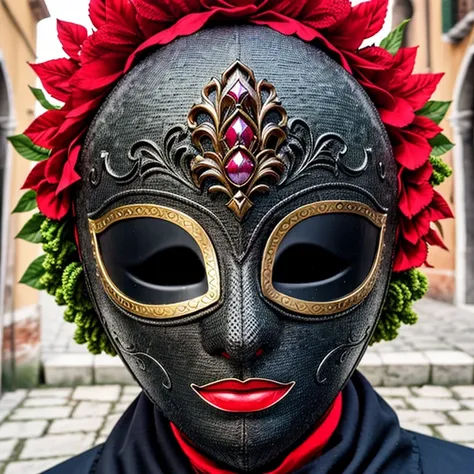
<point x="254" y="107"/>
<point x="165" y="311"/>
<point x="311" y="308"/>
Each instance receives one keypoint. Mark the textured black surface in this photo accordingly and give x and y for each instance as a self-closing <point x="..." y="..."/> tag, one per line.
<point x="318" y="353"/>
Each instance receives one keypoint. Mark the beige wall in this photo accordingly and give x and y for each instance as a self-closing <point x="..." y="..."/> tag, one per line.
<point x="436" y="55"/>
<point x="18" y="49"/>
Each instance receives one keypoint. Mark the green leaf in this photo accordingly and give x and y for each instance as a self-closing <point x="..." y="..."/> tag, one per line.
<point x="435" y="110"/>
<point x="441" y="145"/>
<point x="31" y="230"/>
<point x="34" y="273"/>
<point x="27" y="149"/>
<point x="393" y="42"/>
<point x="26" y="203"/>
<point x="41" y="98"/>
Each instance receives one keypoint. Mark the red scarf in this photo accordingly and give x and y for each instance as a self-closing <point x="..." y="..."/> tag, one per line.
<point x="297" y="459"/>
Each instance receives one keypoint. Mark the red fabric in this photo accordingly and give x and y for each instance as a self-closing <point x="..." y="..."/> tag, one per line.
<point x="297" y="459"/>
<point x="127" y="29"/>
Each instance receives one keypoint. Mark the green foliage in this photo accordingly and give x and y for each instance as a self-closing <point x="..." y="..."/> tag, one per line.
<point x="441" y="171"/>
<point x="404" y="289"/>
<point x="27" y="149"/>
<point x="435" y="110"/>
<point x="31" y="230"/>
<point x="32" y="276"/>
<point x="41" y="98"/>
<point x="64" y="279"/>
<point x="26" y="203"/>
<point x="441" y="145"/>
<point x="393" y="42"/>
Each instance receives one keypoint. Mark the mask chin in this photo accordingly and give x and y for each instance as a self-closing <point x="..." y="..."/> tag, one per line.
<point x="202" y="297"/>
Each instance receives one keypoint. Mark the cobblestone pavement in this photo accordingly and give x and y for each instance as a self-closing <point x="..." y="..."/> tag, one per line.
<point x="43" y="427"/>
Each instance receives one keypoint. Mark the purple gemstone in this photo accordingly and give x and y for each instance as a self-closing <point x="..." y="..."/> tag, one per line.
<point x="239" y="132"/>
<point x="239" y="168"/>
<point x="238" y="91"/>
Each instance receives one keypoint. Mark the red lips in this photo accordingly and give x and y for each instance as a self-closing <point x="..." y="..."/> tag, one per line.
<point x="237" y="396"/>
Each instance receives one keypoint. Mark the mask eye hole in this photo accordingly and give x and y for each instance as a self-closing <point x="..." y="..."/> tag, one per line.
<point x="307" y="263"/>
<point x="154" y="261"/>
<point x="183" y="267"/>
<point x="323" y="258"/>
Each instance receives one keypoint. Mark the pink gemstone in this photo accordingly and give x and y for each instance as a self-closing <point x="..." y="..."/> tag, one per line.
<point x="239" y="132"/>
<point x="238" y="91"/>
<point x="239" y="168"/>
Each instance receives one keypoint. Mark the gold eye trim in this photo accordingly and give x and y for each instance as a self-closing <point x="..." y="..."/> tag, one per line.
<point x="312" y="308"/>
<point x="164" y="311"/>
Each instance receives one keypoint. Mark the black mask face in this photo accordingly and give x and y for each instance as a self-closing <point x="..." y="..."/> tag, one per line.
<point x="243" y="308"/>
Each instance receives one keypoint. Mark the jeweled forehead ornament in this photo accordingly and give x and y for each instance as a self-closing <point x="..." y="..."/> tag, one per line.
<point x="238" y="129"/>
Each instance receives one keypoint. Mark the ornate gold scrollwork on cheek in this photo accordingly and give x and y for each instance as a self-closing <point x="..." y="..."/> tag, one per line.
<point x="164" y="311"/>
<point x="310" y="308"/>
<point x="238" y="129"/>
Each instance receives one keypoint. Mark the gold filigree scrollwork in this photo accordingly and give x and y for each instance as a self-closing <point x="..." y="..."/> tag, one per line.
<point x="238" y="129"/>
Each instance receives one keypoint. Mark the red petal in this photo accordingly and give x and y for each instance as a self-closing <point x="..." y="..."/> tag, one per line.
<point x="51" y="205"/>
<point x="401" y="116"/>
<point x="97" y="12"/>
<point x="55" y="76"/>
<point x="44" y="128"/>
<point x="411" y="150"/>
<point x="419" y="88"/>
<point x="36" y="176"/>
<point x="72" y="37"/>
<point x="409" y="256"/>
<point x="425" y="127"/>
<point x="433" y="238"/>
<point x="55" y="165"/>
<point x="439" y="208"/>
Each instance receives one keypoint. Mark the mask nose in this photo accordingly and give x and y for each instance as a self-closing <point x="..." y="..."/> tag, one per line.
<point x="244" y="328"/>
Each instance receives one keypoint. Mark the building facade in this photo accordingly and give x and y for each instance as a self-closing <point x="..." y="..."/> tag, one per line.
<point x="444" y="31"/>
<point x="20" y="338"/>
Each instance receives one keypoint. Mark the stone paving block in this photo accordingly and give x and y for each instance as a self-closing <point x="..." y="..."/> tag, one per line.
<point x="68" y="369"/>
<point x="450" y="367"/>
<point x="127" y="398"/>
<point x="22" y="429"/>
<point x="432" y="391"/>
<point x="457" y="433"/>
<point x="6" y="448"/>
<point x="396" y="403"/>
<point x="100" y="440"/>
<point x="421" y="417"/>
<point x="371" y="367"/>
<point x="110" y="422"/>
<point x="111" y="370"/>
<point x="393" y="391"/>
<point x="405" y="369"/>
<point x="57" y="445"/>
<point x="463" y="417"/>
<point x="88" y="409"/>
<point x="76" y="425"/>
<point x="44" y="402"/>
<point x="466" y="391"/>
<point x="50" y="393"/>
<point x="11" y="400"/>
<point x="423" y="429"/>
<point x="132" y="390"/>
<point x="44" y="413"/>
<point x="469" y="404"/>
<point x="438" y="404"/>
<point x="32" y="467"/>
<point x="97" y="393"/>
<point x="120" y="407"/>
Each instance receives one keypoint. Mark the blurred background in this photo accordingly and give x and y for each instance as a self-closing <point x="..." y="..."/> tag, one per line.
<point x="427" y="374"/>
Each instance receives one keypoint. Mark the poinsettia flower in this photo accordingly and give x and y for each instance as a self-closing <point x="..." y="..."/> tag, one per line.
<point x="71" y="37"/>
